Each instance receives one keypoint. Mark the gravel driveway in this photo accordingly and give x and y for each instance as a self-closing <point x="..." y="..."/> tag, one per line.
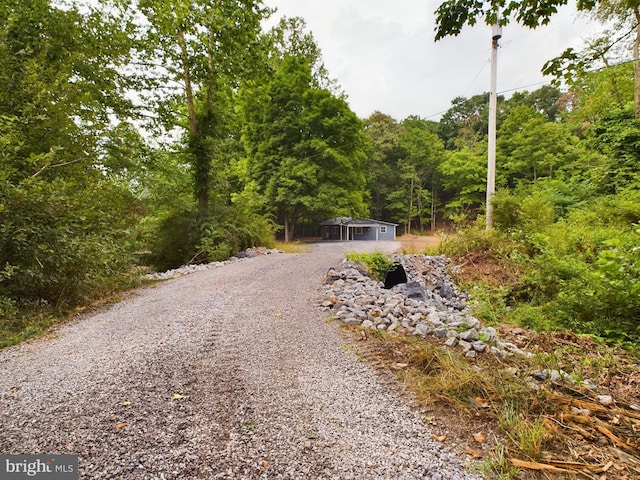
<point x="226" y="373"/>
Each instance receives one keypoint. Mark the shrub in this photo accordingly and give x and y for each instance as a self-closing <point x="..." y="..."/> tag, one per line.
<point x="62" y="242"/>
<point x="183" y="238"/>
<point x="174" y="241"/>
<point x="377" y="263"/>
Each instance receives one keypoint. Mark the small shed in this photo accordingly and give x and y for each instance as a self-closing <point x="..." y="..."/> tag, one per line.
<point x="345" y="228"/>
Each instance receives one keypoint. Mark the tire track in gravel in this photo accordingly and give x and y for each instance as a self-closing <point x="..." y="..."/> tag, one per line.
<point x="228" y="373"/>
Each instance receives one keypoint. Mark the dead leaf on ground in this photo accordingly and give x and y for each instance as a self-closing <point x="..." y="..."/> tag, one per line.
<point x="480" y="437"/>
<point x="176" y="396"/>
<point x="439" y="438"/>
<point x="477" y="454"/>
<point x="399" y="366"/>
<point x="121" y="425"/>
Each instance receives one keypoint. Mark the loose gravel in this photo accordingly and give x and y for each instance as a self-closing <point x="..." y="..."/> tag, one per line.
<point x="226" y="373"/>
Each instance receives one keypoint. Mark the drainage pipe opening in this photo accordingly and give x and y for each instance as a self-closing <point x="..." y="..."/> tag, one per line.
<point x="395" y="276"/>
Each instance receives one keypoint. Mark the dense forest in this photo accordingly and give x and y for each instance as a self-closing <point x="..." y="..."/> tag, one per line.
<point x="157" y="133"/>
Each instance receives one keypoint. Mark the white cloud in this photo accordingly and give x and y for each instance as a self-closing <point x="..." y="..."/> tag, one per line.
<point x="383" y="54"/>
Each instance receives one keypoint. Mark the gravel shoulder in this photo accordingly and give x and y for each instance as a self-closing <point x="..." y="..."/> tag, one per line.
<point x="226" y="373"/>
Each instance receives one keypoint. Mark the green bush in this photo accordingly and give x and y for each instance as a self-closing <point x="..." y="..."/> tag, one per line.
<point x="62" y="242"/>
<point x="474" y="239"/>
<point x="582" y="271"/>
<point x="184" y="238"/>
<point x="377" y="263"/>
<point x="174" y="242"/>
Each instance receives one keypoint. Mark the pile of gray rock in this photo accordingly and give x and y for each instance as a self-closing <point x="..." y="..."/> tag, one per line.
<point x="428" y="303"/>
<point x="187" y="269"/>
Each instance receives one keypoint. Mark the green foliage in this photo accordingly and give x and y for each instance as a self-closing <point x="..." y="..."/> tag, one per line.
<point x="60" y="245"/>
<point x="474" y="239"/>
<point x="377" y="263"/>
<point x="464" y="179"/>
<point x="305" y="146"/>
<point x="174" y="242"/>
<point x="183" y="237"/>
<point x="466" y="122"/>
<point x="383" y="133"/>
<point x="581" y="270"/>
<point x="530" y="147"/>
<point x="617" y="137"/>
<point x="453" y="15"/>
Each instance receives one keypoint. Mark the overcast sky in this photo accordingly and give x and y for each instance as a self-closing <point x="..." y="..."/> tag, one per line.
<point x="383" y="55"/>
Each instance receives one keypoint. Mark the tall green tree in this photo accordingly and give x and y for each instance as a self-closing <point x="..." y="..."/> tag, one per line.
<point x="423" y="151"/>
<point x="545" y="100"/>
<point x="466" y="122"/>
<point x="529" y="147"/>
<point x="305" y="147"/>
<point x="64" y="217"/>
<point x="463" y="175"/>
<point x="383" y="133"/>
<point x="197" y="52"/>
<point x="617" y="137"/>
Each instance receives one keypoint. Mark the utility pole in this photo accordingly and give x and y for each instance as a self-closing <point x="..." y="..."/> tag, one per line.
<point x="496" y="34"/>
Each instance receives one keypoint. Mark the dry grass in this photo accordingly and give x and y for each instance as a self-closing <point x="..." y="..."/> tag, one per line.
<point x="293" y="247"/>
<point x="487" y="409"/>
<point x="416" y="244"/>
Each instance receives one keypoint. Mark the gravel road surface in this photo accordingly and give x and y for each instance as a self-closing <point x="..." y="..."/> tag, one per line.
<point x="227" y="373"/>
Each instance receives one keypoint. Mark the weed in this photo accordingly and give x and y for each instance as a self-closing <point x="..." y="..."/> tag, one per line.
<point x="376" y="263"/>
<point x="525" y="435"/>
<point x="293" y="247"/>
<point x="497" y="465"/>
<point x="347" y="347"/>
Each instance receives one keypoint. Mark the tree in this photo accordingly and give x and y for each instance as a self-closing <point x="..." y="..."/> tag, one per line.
<point x="290" y="38"/>
<point x="545" y="100"/>
<point x="63" y="216"/>
<point x="305" y="147"/>
<point x="383" y="133"/>
<point x="529" y="146"/>
<point x="617" y="137"/>
<point x="197" y="52"/>
<point x="463" y="176"/>
<point x="423" y="153"/>
<point x="466" y="122"/>
<point x="626" y="16"/>
<point x="452" y="15"/>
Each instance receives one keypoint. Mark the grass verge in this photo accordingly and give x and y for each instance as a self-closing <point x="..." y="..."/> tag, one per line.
<point x="512" y="425"/>
<point x="293" y="247"/>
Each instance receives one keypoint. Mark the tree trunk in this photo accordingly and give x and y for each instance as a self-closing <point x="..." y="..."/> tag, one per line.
<point x="407" y="228"/>
<point x="188" y="89"/>
<point x="201" y="162"/>
<point x="201" y="173"/>
<point x="636" y="62"/>
<point x="614" y="83"/>
<point x="290" y="222"/>
<point x="433" y="206"/>
<point x="419" y="207"/>
<point x="285" y="220"/>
